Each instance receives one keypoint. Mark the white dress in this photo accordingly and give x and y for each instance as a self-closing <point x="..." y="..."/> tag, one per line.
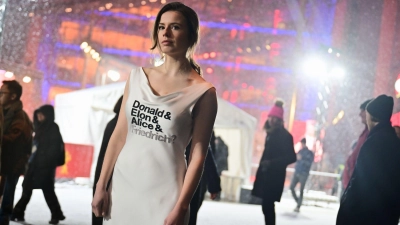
<point x="149" y="172"/>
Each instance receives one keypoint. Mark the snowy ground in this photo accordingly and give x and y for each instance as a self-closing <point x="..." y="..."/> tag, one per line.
<point x="75" y="201"/>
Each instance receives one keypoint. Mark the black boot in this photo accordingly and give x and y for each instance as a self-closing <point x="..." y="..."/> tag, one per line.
<point x="17" y="215"/>
<point x="56" y="218"/>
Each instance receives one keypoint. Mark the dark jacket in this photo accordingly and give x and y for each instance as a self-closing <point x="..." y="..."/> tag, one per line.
<point x="270" y="177"/>
<point x="17" y="140"/>
<point x="373" y="195"/>
<point x="210" y="176"/>
<point x="48" y="143"/>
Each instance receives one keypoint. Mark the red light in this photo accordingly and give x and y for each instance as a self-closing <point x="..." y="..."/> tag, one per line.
<point x="234" y="96"/>
<point x="225" y="95"/>
<point x="244" y="85"/>
<point x="277" y="18"/>
<point x="213" y="54"/>
<point x="246" y="25"/>
<point x="233" y="33"/>
<point x="206" y="55"/>
<point x="239" y="50"/>
<point x="210" y="70"/>
<point x="251" y="88"/>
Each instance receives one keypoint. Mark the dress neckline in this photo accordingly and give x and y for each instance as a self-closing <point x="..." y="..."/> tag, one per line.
<point x="169" y="94"/>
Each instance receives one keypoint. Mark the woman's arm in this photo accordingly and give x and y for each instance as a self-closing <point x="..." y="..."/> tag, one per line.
<point x="116" y="143"/>
<point x="203" y="122"/>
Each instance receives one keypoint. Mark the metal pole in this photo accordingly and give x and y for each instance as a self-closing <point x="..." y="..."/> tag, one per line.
<point x="3" y="4"/>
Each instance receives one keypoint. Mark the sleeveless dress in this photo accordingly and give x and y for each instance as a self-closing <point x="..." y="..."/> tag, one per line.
<point x="149" y="172"/>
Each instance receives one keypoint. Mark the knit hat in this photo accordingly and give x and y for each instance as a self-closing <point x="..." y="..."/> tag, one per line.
<point x="364" y="105"/>
<point x="381" y="108"/>
<point x="277" y="110"/>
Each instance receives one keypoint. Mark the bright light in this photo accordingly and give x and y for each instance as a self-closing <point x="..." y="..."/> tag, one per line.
<point x="338" y="55"/>
<point x="210" y="70"/>
<point x="341" y="114"/>
<point x="397" y="85"/>
<point x="68" y="10"/>
<point x="206" y="55"/>
<point x="95" y="55"/>
<point x="318" y="111"/>
<point x="92" y="51"/>
<point x="152" y="0"/>
<point x="268" y="47"/>
<point x="213" y="54"/>
<point x="320" y="96"/>
<point x="130" y="5"/>
<point x="109" y="5"/>
<point x="26" y="79"/>
<point x="87" y="49"/>
<point x="101" y="8"/>
<point x="248" y="50"/>
<point x="113" y="75"/>
<point x="84" y="45"/>
<point x="337" y="72"/>
<point x="327" y="90"/>
<point x="330" y="50"/>
<point x="8" y="74"/>
<point x="325" y="104"/>
<point x="143" y="2"/>
<point x="98" y="59"/>
<point x="314" y="67"/>
<point x="258" y="48"/>
<point x="163" y="1"/>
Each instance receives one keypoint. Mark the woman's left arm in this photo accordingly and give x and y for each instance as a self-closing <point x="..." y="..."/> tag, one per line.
<point x="204" y="114"/>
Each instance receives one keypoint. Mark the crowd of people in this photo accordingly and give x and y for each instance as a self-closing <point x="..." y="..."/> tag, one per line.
<point x="155" y="179"/>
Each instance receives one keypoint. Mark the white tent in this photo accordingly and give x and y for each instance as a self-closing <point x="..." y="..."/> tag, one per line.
<point x="82" y="117"/>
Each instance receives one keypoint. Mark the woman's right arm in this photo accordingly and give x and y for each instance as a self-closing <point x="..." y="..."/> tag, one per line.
<point x="114" y="147"/>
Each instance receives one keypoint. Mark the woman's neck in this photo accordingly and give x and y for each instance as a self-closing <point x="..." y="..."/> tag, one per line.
<point x="176" y="66"/>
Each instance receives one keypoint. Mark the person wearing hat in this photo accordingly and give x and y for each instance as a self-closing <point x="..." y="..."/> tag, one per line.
<point x="351" y="160"/>
<point x="373" y="195"/>
<point x="278" y="154"/>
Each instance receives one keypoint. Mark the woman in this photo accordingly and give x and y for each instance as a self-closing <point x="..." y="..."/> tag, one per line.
<point x="48" y="147"/>
<point x="163" y="108"/>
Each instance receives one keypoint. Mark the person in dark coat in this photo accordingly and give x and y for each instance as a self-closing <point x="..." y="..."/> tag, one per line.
<point x="221" y="155"/>
<point x="47" y="149"/>
<point x="106" y="138"/>
<point x="16" y="145"/>
<point x="373" y="195"/>
<point x="278" y="154"/>
<point x="305" y="159"/>
<point x="210" y="180"/>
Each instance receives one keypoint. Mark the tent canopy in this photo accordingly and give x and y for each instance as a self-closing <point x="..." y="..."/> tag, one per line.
<point x="83" y="115"/>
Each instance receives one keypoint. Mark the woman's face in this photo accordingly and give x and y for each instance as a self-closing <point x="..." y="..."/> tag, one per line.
<point x="40" y="117"/>
<point x="173" y="36"/>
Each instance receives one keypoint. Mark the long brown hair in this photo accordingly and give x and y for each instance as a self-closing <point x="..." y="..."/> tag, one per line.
<point x="193" y="24"/>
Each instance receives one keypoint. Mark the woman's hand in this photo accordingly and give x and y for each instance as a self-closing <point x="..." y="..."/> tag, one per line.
<point x="100" y="203"/>
<point x="176" y="217"/>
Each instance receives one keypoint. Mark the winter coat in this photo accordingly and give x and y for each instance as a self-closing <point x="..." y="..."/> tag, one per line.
<point x="210" y="176"/>
<point x="270" y="177"/>
<point x="17" y="140"/>
<point x="48" y="142"/>
<point x="373" y="195"/>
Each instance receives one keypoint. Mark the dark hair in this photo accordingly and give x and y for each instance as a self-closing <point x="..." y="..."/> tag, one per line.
<point x="303" y="141"/>
<point x="117" y="106"/>
<point x="193" y="24"/>
<point x="14" y="87"/>
<point x="364" y="105"/>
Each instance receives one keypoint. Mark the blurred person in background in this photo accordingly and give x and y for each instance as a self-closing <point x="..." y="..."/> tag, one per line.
<point x="278" y="154"/>
<point x="16" y="145"/>
<point x="305" y="159"/>
<point x="48" y="150"/>
<point x="351" y="160"/>
<point x="106" y="138"/>
<point x="372" y="196"/>
<point x="210" y="181"/>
